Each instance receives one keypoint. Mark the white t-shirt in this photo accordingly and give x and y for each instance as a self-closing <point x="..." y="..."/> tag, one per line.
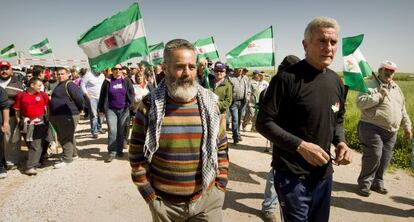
<point x="3" y="84"/>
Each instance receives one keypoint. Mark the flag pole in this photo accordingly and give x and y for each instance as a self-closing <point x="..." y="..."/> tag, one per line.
<point x="53" y="54"/>
<point x="376" y="78"/>
<point x="19" y="56"/>
<point x="152" y="67"/>
<point x="53" y="58"/>
<point x="274" y="50"/>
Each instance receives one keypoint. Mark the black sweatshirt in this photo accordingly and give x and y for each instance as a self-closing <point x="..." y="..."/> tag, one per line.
<point x="68" y="102"/>
<point x="302" y="103"/>
<point x="4" y="104"/>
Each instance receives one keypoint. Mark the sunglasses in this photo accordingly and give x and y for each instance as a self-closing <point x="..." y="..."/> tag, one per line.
<point x="117" y="69"/>
<point x="4" y="68"/>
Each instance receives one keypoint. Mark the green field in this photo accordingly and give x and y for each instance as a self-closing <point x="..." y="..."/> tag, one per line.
<point x="402" y="151"/>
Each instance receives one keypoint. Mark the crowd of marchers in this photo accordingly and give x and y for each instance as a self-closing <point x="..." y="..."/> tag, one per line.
<point x="173" y="118"/>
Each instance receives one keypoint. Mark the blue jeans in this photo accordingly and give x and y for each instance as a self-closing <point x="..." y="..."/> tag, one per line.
<point x="270" y="196"/>
<point x="303" y="199"/>
<point x="117" y="119"/>
<point x="94" y="117"/>
<point x="236" y="109"/>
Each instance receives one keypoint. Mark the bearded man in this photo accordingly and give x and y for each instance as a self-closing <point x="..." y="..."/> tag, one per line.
<point x="178" y="152"/>
<point x="13" y="155"/>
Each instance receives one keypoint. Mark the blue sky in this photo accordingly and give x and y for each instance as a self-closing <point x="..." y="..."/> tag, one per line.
<point x="387" y="25"/>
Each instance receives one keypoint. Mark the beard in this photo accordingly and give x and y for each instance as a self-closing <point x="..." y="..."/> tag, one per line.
<point x="183" y="89"/>
<point x="5" y="78"/>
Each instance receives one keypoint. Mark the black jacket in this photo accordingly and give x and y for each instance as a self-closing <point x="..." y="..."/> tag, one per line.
<point x="12" y="89"/>
<point x="4" y="104"/>
<point x="103" y="104"/>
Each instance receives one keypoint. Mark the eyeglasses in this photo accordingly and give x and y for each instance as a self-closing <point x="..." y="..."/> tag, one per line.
<point x="332" y="159"/>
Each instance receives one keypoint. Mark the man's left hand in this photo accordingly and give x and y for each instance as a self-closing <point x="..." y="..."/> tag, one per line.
<point x="5" y="128"/>
<point x="343" y="154"/>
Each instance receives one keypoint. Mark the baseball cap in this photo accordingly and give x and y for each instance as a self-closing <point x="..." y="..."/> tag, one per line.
<point x="219" y="66"/>
<point x="245" y="70"/>
<point x="5" y="63"/>
<point x="389" y="65"/>
<point x="256" y="72"/>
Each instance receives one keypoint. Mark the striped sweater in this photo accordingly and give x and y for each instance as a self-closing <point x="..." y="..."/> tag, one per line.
<point x="175" y="170"/>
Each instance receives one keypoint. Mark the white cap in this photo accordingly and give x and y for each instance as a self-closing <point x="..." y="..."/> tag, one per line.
<point x="389" y="65"/>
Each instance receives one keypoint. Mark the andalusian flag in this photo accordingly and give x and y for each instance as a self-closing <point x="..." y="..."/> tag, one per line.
<point x="356" y="67"/>
<point x="156" y="55"/>
<point x="257" y="51"/>
<point x="206" y="49"/>
<point x="41" y="48"/>
<point x="8" y="52"/>
<point x="115" y="40"/>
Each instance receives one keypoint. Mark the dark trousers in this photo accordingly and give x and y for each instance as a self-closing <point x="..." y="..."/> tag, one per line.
<point x="65" y="126"/>
<point x="303" y="199"/>
<point x="38" y="146"/>
<point x="2" y="155"/>
<point x="377" y="150"/>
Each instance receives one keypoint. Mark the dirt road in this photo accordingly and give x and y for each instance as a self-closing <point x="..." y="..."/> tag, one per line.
<point x="91" y="190"/>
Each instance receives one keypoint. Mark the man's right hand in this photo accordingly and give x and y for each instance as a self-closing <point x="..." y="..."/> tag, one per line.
<point x="313" y="154"/>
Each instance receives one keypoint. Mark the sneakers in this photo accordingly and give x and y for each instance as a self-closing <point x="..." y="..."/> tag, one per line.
<point x="269" y="216"/>
<point x="111" y="157"/>
<point x="379" y="190"/>
<point x="75" y="157"/>
<point x="363" y="192"/>
<point x="101" y="131"/>
<point x="30" y="172"/>
<point x="60" y="165"/>
<point x="3" y="175"/>
<point x="95" y="136"/>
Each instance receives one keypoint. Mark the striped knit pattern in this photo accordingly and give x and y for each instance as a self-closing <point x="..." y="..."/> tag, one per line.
<point x="175" y="169"/>
<point x="176" y="166"/>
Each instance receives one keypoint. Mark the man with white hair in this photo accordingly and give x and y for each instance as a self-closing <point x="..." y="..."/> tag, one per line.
<point x="382" y="113"/>
<point x="302" y="114"/>
<point x="178" y="151"/>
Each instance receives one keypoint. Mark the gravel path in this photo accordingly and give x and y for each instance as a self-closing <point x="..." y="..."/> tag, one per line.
<point x="91" y="190"/>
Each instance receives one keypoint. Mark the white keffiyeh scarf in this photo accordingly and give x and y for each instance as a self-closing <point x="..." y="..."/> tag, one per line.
<point x="210" y="120"/>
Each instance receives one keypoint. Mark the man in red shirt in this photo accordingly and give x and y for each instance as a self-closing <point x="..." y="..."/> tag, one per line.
<point x="30" y="108"/>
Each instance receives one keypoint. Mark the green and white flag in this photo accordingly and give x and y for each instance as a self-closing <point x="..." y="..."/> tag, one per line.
<point x="257" y="51"/>
<point x="8" y="52"/>
<point x="115" y="40"/>
<point x="206" y="49"/>
<point x="156" y="55"/>
<point x="41" y="48"/>
<point x="356" y="67"/>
